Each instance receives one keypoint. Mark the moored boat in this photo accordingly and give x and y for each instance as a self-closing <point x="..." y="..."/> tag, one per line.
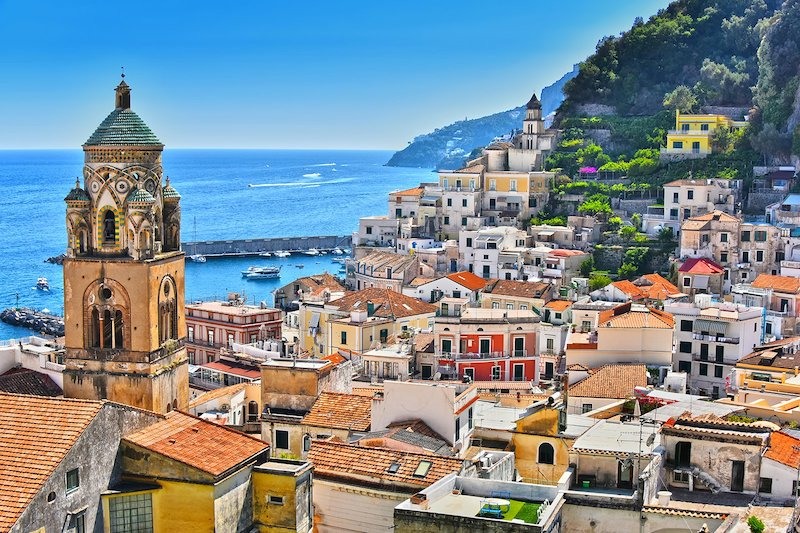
<point x="256" y="272"/>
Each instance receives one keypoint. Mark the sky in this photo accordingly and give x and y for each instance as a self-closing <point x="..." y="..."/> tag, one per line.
<point x="335" y="74"/>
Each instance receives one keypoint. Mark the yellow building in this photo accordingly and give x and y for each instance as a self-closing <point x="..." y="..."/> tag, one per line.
<point x="693" y="133"/>
<point x="124" y="271"/>
<point x="186" y="474"/>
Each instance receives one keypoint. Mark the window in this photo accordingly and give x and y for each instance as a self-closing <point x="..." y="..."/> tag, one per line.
<point x="495" y="373"/>
<point x="393" y="468"/>
<point x="211" y="337"/>
<point x="446" y="220"/>
<point x="282" y="439"/>
<point x="275" y="500"/>
<point x="723" y="257"/>
<point x="458" y="429"/>
<point x="384" y="335"/>
<point x="745" y="257"/>
<point x="765" y="485"/>
<point x="344" y="337"/>
<point x="690" y="194"/>
<point x="703" y="369"/>
<point x="73" y="480"/>
<point x="456" y="294"/>
<point x="703" y="127"/>
<point x="469" y="373"/>
<point x="550" y="344"/>
<point x="684" y="127"/>
<point x="369" y="230"/>
<point x="469" y="242"/>
<point x="760" y="236"/>
<point x="77" y="522"/>
<point x="422" y="469"/>
<point x="546" y="454"/>
<point x="447" y="345"/>
<point x="687" y="282"/>
<point x="492" y="185"/>
<point x="677" y="144"/>
<point x="686" y="325"/>
<point x="717" y="371"/>
<point x="683" y="453"/>
<point x="513" y="185"/>
<point x="449" y="202"/>
<point x="190" y="333"/>
<point x="463" y="221"/>
<point x="759" y="256"/>
<point x="685" y="347"/>
<point x="509" y="306"/>
<point x="675" y="196"/>
<point x="586" y="407"/>
<point x="131" y="513"/>
<point x="695" y="148"/>
<point x="464" y="202"/>
<point x="680" y="477"/>
<point x="723" y="237"/>
<point x="495" y="305"/>
<point x="720" y="353"/>
<point x="703" y="351"/>
<point x="745" y="236"/>
<point x="685" y="366"/>
<point x="469" y="418"/>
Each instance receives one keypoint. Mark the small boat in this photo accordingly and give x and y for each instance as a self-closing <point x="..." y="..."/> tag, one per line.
<point x="300" y="266"/>
<point x="42" y="284"/>
<point x="337" y="251"/>
<point x="256" y="272"/>
<point x="265" y="254"/>
<point x="281" y="253"/>
<point x="323" y="252"/>
<point x="197" y="258"/>
<point x="340" y="260"/>
<point x="311" y="251"/>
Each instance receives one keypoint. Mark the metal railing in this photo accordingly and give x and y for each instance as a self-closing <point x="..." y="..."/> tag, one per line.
<point x="715" y="338"/>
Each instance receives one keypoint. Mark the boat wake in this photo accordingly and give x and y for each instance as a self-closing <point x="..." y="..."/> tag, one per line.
<point x="303" y="184"/>
<point x="313" y="175"/>
<point x="323" y="165"/>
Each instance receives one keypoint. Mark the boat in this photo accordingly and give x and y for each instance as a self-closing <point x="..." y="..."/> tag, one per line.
<point x="256" y="272"/>
<point x="340" y="260"/>
<point x="42" y="284"/>
<point x="300" y="266"/>
<point x="311" y="251"/>
<point x="281" y="253"/>
<point x="337" y="251"/>
<point x="265" y="254"/>
<point x="197" y="258"/>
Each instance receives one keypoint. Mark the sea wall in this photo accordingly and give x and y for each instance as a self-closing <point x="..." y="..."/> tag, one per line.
<point x="257" y="246"/>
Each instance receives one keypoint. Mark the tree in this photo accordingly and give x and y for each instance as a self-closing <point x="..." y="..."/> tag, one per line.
<point x="636" y="220"/>
<point x="680" y="99"/>
<point x="756" y="525"/>
<point x="627" y="233"/>
<point x="596" y="204"/>
<point x="665" y="235"/>
<point x="627" y="271"/>
<point x="587" y="265"/>
<point x="598" y="281"/>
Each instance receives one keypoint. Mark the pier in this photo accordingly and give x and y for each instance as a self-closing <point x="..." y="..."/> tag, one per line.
<point x="35" y="320"/>
<point x="250" y="247"/>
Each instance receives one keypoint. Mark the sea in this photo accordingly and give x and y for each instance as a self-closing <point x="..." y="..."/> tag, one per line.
<point x="225" y="194"/>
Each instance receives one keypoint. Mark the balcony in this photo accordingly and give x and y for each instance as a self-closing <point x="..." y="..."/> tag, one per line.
<point x="778" y="314"/>
<point x="458" y="356"/>
<point x="714" y="338"/>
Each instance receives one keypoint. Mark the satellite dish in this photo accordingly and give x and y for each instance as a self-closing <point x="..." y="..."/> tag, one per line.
<point x="437" y="376"/>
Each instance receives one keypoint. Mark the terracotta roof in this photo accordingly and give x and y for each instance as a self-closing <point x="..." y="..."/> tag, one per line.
<point x="560" y="252"/>
<point x="217" y="393"/>
<point x="656" y="286"/>
<point x="236" y="369"/>
<point x="628" y="288"/>
<point x="627" y="316"/>
<point x="35" y="435"/>
<point x="419" y="280"/>
<point x="558" y="305"/>
<point x="472" y="169"/>
<point x="335" y="358"/>
<point x="25" y="381"/>
<point x="784" y="449"/>
<point x="611" y="381"/>
<point x="366" y="391"/>
<point x="468" y="280"/>
<point x="701" y="265"/>
<point x="203" y="445"/>
<point x="340" y="411"/>
<point x="774" y="354"/>
<point x="387" y="303"/>
<point x="424" y="342"/>
<point x="379" y="261"/>
<point x="370" y="466"/>
<point x="402" y="435"/>
<point x="416" y="191"/>
<point x="778" y="283"/>
<point x="520" y="289"/>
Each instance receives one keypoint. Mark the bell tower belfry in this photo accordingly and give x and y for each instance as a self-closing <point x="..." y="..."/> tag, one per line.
<point x="532" y="125"/>
<point x="124" y="271"/>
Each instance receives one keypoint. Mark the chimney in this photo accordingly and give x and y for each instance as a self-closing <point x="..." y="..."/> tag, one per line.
<point x="370" y="308"/>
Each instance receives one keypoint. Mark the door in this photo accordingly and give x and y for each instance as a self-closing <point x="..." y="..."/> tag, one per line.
<point x="519" y="372"/>
<point x="737" y="476"/>
<point x="427" y="371"/>
<point x="625" y="474"/>
<point x="548" y="370"/>
<point x="485" y="346"/>
<point x="453" y="265"/>
<point x="519" y="347"/>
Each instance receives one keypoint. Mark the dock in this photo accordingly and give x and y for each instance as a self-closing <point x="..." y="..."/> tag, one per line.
<point x="251" y="247"/>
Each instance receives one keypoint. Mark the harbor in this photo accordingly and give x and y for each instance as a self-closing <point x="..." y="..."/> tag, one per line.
<point x="256" y="247"/>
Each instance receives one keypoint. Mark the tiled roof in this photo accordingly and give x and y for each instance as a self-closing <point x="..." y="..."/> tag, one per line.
<point x="123" y="127"/>
<point x="520" y="289"/>
<point x="784" y="449"/>
<point x="560" y="252"/>
<point x="627" y="316"/>
<point x="656" y="286"/>
<point x="335" y="358"/>
<point x="77" y="195"/>
<point x="413" y="432"/>
<point x="217" y="393"/>
<point x="700" y="265"/>
<point x="236" y="369"/>
<point x="533" y="103"/>
<point x="778" y="283"/>
<point x="419" y="280"/>
<point x="611" y="381"/>
<point x="558" y="305"/>
<point x="774" y="354"/>
<point x="472" y="169"/>
<point x="24" y="381"/>
<point x="424" y="342"/>
<point x="387" y="303"/>
<point x="468" y="279"/>
<point x="340" y="411"/>
<point x="416" y="191"/>
<point x="370" y="466"/>
<point x="203" y="445"/>
<point x="35" y="435"/>
<point x="141" y="196"/>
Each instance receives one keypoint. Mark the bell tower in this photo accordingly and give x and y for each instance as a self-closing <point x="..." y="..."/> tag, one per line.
<point x="124" y="271"/>
<point x="532" y="125"/>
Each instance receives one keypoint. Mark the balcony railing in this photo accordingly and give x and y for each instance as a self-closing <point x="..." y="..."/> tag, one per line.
<point x="714" y="338"/>
<point x="459" y="356"/>
<point x="777" y="313"/>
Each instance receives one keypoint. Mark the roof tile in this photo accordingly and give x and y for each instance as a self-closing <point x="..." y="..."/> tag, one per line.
<point x="340" y="411"/>
<point x="611" y="381"/>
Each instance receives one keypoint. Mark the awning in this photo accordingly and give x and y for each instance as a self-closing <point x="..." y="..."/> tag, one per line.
<point x="713" y="327"/>
<point x="545" y="233"/>
<point x="700" y="282"/>
<point x="314" y="320"/>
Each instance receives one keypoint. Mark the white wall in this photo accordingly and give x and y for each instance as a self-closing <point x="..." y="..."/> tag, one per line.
<point x="782" y="478"/>
<point x="433" y="404"/>
<point x="338" y="507"/>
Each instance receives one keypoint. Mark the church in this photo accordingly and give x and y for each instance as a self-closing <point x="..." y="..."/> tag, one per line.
<point x="124" y="271"/>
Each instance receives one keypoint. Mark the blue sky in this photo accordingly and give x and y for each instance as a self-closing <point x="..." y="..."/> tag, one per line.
<point x="267" y="74"/>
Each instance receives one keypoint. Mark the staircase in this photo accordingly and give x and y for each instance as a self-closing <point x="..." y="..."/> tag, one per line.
<point x="706" y="479"/>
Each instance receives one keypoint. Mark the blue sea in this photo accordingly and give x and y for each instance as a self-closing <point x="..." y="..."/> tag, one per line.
<point x="226" y="194"/>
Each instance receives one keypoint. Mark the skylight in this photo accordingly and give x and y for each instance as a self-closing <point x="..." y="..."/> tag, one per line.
<point x="422" y="469"/>
<point x="393" y="468"/>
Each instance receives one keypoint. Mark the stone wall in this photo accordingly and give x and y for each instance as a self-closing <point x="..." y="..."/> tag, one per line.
<point x="255" y="246"/>
<point x="758" y="201"/>
<point x="591" y="109"/>
<point x="632" y="205"/>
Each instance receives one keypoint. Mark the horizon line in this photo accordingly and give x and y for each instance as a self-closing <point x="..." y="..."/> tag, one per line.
<point x="80" y="147"/>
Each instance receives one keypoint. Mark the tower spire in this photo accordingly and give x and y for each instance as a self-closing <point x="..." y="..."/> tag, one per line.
<point x="123" y="94"/>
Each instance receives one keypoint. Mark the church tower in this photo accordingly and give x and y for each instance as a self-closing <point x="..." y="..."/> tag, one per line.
<point x="532" y="126"/>
<point x="124" y="271"/>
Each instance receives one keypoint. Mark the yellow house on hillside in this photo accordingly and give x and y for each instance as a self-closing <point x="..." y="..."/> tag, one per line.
<point x="692" y="136"/>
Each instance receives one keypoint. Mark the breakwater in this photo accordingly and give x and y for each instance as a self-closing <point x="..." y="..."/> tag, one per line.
<point x="246" y="247"/>
<point x="34" y="320"/>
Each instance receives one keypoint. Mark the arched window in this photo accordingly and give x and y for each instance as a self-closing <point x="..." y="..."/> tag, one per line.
<point x="546" y="454"/>
<point x="109" y="228"/>
<point x="94" y="341"/>
<point x="306" y="442"/>
<point x="167" y="311"/>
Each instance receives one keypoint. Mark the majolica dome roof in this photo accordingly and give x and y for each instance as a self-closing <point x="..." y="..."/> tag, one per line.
<point x="123" y="127"/>
<point x="169" y="192"/>
<point x="141" y="196"/>
<point x="77" y="194"/>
